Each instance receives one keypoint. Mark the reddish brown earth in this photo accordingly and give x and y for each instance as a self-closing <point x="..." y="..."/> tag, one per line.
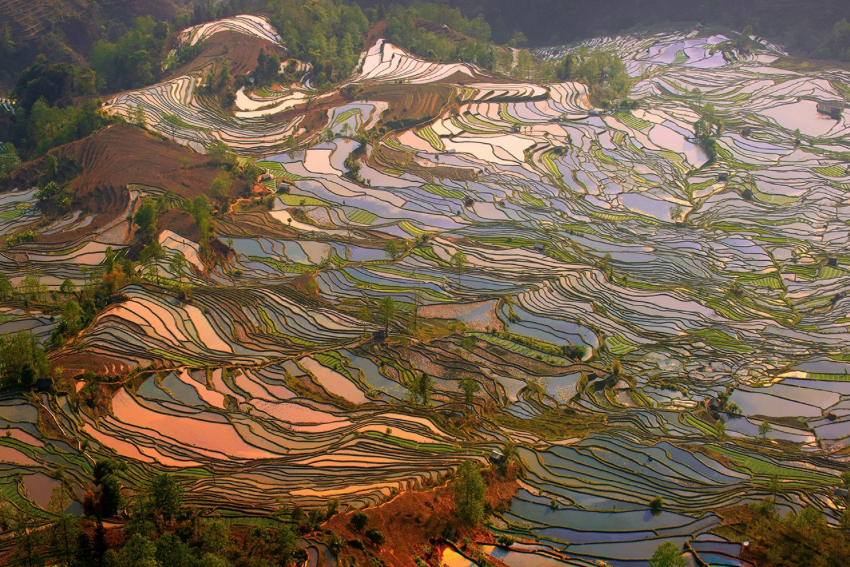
<point x="414" y="521"/>
<point x="240" y="50"/>
<point x="114" y="158"/>
<point x="74" y="364"/>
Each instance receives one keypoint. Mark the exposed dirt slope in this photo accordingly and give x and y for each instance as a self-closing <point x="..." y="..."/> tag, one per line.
<point x="240" y="50"/>
<point x="414" y="522"/>
<point x="119" y="156"/>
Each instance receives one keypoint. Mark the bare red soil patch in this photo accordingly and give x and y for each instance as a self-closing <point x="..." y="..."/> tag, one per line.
<point x="415" y="523"/>
<point x="114" y="158"/>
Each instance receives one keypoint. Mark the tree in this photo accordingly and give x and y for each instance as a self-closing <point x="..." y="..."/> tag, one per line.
<point x="667" y="555"/>
<point x="137" y="116"/>
<point x="25" y="533"/>
<point x="774" y="486"/>
<point x="201" y="211"/>
<point x="656" y="505"/>
<point x="365" y="315"/>
<point x="178" y="264"/>
<point x="616" y="368"/>
<point x="139" y="551"/>
<point x="422" y="386"/>
<point x="675" y="212"/>
<point x="145" y="217"/>
<point x="509" y="452"/>
<point x="91" y="390"/>
<point x="22" y="360"/>
<point x="31" y="288"/>
<point x="6" y="288"/>
<point x="71" y="319"/>
<point x="574" y="352"/>
<point x="174" y="121"/>
<point x="166" y="496"/>
<point x="470" y="387"/>
<point x="358" y="521"/>
<point x="67" y="288"/>
<point x="52" y="82"/>
<point x="706" y="128"/>
<point x="470" y="494"/>
<point x="764" y="429"/>
<point x="220" y="186"/>
<point x="285" y="546"/>
<point x="376" y="536"/>
<point x="458" y="261"/>
<point x="387" y="312"/>
<point x="9" y="160"/>
<point x="332" y="509"/>
<point x="107" y="498"/>
<point x="152" y="254"/>
<point x="524" y="63"/>
<point x="215" y="538"/>
<point x="720" y="427"/>
<point x="392" y="249"/>
<point x="64" y="530"/>
<point x="697" y="93"/>
<point x="171" y="551"/>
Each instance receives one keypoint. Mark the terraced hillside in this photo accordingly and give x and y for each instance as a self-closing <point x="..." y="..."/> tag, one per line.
<point x="630" y="309"/>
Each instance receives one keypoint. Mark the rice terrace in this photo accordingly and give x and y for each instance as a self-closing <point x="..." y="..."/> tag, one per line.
<point x="331" y="283"/>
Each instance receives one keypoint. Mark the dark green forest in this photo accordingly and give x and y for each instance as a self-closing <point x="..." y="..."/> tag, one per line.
<point x="108" y="35"/>
<point x="805" y="27"/>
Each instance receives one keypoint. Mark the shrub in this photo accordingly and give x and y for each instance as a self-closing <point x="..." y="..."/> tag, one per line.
<point x="656" y="505"/>
<point x="358" y="521"/>
<point x="376" y="536"/>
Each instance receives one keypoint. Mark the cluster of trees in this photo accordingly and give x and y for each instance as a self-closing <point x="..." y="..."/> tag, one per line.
<point x="134" y="60"/>
<point x="837" y="46"/>
<point x="801" y="27"/>
<point x="22" y="361"/>
<point x="799" y="538"/>
<point x="268" y="68"/>
<point x="48" y="127"/>
<point x="146" y="218"/>
<point x="706" y="130"/>
<point x="403" y="32"/>
<point x="602" y="70"/>
<point x="54" y="82"/>
<point x="9" y="161"/>
<point x="21" y="356"/>
<point x="45" y="116"/>
<point x="161" y="531"/>
<point x="327" y="33"/>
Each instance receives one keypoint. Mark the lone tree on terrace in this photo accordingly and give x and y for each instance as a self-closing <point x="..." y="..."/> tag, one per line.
<point x="387" y="312"/>
<point x="392" y="249"/>
<point x="470" y="387"/>
<point x="764" y="429"/>
<point x="470" y="493"/>
<point x="458" y="261"/>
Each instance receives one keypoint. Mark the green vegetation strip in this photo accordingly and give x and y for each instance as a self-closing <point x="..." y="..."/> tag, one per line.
<point x="761" y="467"/>
<point x="437" y="447"/>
